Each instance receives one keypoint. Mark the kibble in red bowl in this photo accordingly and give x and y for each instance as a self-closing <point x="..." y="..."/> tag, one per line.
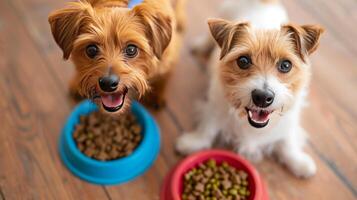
<point x="215" y="181"/>
<point x="250" y="185"/>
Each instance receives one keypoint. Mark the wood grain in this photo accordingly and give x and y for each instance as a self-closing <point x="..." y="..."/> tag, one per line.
<point x="30" y="166"/>
<point x="34" y="103"/>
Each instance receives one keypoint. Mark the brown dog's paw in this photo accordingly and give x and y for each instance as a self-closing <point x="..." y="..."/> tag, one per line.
<point x="154" y="102"/>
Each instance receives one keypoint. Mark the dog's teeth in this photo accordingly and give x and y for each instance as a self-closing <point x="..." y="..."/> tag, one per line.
<point x="250" y="113"/>
<point x="257" y="121"/>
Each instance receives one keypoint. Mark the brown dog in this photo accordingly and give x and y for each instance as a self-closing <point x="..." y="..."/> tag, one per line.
<point x="119" y="53"/>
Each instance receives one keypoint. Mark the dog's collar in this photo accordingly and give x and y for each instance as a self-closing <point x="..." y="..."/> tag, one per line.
<point x="133" y="3"/>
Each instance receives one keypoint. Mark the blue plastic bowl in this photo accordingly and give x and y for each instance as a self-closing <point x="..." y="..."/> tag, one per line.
<point x="116" y="171"/>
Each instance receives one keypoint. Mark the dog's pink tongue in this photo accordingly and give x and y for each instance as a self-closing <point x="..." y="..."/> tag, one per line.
<point x="112" y="100"/>
<point x="260" y="116"/>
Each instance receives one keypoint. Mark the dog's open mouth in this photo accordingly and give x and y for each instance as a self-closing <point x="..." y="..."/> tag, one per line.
<point x="113" y="102"/>
<point x="258" y="118"/>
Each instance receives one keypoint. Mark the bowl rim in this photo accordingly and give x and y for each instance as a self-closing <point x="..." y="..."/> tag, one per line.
<point x="135" y="107"/>
<point x="150" y="132"/>
<point x="181" y="168"/>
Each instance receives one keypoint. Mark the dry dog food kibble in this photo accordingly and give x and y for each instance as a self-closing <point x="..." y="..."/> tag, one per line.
<point x="104" y="138"/>
<point x="212" y="181"/>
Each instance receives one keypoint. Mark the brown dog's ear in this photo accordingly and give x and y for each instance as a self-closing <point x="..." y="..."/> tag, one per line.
<point x="158" y="28"/>
<point x="226" y="33"/>
<point x="66" y="24"/>
<point x="306" y="38"/>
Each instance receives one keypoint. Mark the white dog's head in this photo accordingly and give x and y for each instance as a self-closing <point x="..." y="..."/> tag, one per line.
<point x="263" y="71"/>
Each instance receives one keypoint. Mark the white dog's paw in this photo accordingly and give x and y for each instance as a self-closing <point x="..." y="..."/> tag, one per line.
<point x="191" y="142"/>
<point x="251" y="153"/>
<point x="302" y="166"/>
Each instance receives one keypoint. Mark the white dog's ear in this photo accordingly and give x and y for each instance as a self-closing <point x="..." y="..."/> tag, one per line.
<point x="306" y="37"/>
<point x="226" y="33"/>
<point x="66" y="24"/>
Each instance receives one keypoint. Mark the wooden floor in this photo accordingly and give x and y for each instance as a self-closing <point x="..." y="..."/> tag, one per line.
<point x="34" y="104"/>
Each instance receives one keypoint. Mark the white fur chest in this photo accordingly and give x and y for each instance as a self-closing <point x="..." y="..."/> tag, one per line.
<point x="237" y="130"/>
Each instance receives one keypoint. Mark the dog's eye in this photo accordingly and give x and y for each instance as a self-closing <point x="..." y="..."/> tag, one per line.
<point x="244" y="62"/>
<point x="92" y="50"/>
<point x="131" y="51"/>
<point x="285" y="66"/>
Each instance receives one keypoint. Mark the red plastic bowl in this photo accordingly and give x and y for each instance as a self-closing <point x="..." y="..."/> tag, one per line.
<point x="173" y="184"/>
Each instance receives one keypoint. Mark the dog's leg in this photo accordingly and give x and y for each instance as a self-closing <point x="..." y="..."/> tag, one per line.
<point x="250" y="151"/>
<point x="199" y="139"/>
<point x="202" y="137"/>
<point x="290" y="152"/>
<point x="155" y="98"/>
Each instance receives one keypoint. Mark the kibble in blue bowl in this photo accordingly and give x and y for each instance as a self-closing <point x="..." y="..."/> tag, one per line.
<point x="93" y="150"/>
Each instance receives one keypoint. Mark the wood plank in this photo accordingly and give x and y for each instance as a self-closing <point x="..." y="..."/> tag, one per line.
<point x="330" y="117"/>
<point x="31" y="122"/>
<point x="34" y="17"/>
<point x="333" y="131"/>
<point x="283" y="185"/>
<point x="189" y="81"/>
<point x="2" y="196"/>
<point x="149" y="185"/>
<point x="333" y="16"/>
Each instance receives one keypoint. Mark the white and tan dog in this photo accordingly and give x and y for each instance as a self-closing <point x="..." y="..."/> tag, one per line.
<point x="259" y="78"/>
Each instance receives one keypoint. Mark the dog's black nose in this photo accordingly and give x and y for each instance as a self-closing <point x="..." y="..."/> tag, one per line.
<point x="109" y="83"/>
<point x="263" y="98"/>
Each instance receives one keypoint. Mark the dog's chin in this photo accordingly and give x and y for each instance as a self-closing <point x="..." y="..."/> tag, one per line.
<point x="114" y="102"/>
<point x="258" y="117"/>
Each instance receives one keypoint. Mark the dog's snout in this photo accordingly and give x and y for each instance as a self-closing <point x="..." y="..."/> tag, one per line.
<point x="263" y="98"/>
<point x="109" y="83"/>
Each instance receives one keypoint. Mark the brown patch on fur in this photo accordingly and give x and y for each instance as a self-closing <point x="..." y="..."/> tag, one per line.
<point x="306" y="37"/>
<point x="266" y="48"/>
<point x="226" y="33"/>
<point x="111" y="26"/>
<point x="242" y="113"/>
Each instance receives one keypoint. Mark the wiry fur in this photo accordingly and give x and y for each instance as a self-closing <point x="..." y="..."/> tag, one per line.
<point x="151" y="26"/>
<point x="267" y="42"/>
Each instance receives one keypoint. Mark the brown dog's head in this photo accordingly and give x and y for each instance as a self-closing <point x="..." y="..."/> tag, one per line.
<point x="264" y="72"/>
<point x="115" y="49"/>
